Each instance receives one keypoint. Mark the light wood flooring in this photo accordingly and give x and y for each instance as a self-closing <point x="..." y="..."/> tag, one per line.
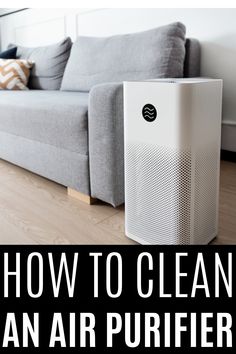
<point x="34" y="210"/>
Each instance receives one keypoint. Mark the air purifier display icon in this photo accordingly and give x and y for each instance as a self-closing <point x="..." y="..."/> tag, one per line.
<point x="149" y="112"/>
<point x="172" y="160"/>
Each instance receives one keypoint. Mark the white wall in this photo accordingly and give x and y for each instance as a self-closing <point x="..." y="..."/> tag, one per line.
<point x="215" y="28"/>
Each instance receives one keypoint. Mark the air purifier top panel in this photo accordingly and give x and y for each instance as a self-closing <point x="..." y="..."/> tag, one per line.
<point x="197" y="80"/>
<point x="174" y="113"/>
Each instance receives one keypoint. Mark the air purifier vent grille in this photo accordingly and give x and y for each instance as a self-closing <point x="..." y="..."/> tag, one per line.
<point x="158" y="193"/>
<point x="206" y="194"/>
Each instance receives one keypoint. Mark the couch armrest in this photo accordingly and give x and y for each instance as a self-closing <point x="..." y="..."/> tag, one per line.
<point x="106" y="142"/>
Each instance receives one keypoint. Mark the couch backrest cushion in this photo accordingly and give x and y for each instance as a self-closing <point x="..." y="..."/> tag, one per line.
<point x="49" y="64"/>
<point x="192" y="58"/>
<point x="156" y="53"/>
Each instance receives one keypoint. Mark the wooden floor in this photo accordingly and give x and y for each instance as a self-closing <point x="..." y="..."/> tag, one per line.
<point x="34" y="210"/>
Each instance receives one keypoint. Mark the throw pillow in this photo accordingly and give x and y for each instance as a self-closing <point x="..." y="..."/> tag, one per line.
<point x="9" y="54"/>
<point x="156" y="53"/>
<point x="14" y="74"/>
<point x="50" y="62"/>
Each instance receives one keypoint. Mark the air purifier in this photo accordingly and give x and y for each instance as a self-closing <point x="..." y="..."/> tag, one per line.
<point x="172" y="134"/>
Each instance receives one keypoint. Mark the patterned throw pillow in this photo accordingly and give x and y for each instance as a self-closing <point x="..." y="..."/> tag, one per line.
<point x="14" y="74"/>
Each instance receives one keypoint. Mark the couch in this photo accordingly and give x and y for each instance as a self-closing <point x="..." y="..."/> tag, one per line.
<point x="68" y="127"/>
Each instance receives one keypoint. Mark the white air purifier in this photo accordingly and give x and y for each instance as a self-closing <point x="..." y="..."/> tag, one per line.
<point x="172" y="160"/>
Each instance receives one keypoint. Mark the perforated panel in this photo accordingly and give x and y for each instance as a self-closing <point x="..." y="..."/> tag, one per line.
<point x="206" y="195"/>
<point x="158" y="194"/>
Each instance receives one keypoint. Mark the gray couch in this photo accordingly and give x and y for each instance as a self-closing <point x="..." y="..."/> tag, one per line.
<point x="69" y="126"/>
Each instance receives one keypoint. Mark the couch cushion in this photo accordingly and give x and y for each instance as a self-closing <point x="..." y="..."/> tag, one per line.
<point x="157" y="53"/>
<point x="50" y="62"/>
<point x="50" y="117"/>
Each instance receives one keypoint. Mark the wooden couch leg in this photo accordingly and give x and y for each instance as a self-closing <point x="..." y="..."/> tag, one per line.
<point x="80" y="196"/>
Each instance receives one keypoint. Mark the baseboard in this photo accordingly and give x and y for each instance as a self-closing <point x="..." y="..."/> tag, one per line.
<point x="228" y="136"/>
<point x="228" y="155"/>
